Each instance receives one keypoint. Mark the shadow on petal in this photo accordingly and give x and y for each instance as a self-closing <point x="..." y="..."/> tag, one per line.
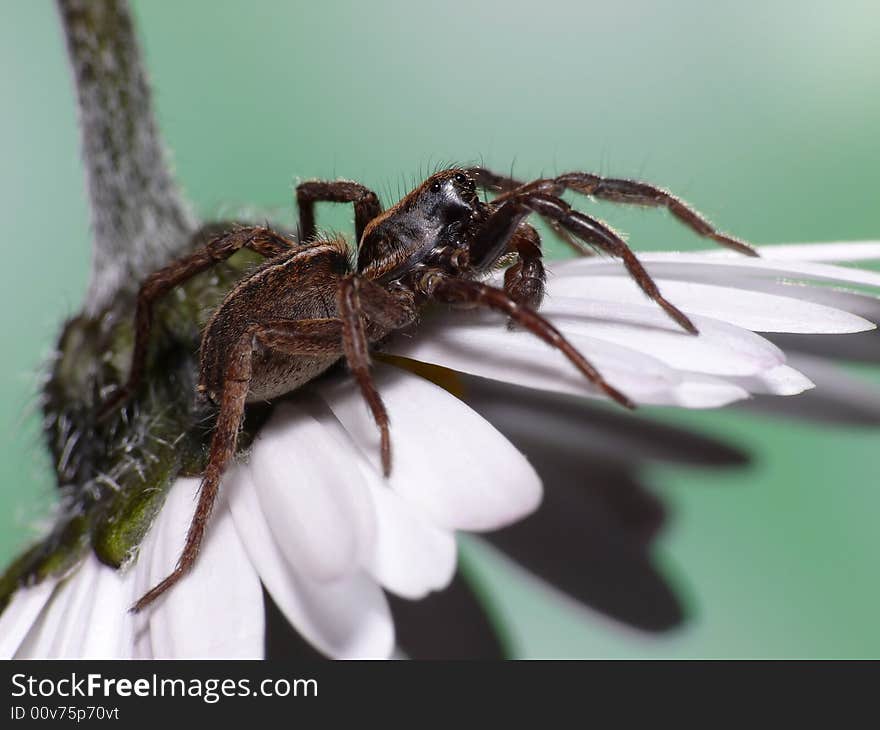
<point x="855" y="347"/>
<point x="591" y="537"/>
<point x="450" y="624"/>
<point x="839" y="398"/>
<point x="281" y="640"/>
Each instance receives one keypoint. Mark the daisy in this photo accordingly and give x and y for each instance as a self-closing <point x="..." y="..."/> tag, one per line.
<point x="307" y="528"/>
<point x="309" y="519"/>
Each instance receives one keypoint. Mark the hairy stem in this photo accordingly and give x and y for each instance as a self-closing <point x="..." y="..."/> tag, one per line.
<point x="140" y="219"/>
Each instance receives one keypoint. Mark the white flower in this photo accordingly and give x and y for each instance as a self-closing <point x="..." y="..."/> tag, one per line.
<point x="310" y="518"/>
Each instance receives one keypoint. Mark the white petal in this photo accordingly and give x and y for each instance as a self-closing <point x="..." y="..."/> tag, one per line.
<point x="411" y="557"/>
<point x="345" y="618"/>
<point x="841" y="251"/>
<point x="445" y="458"/>
<point x="315" y="500"/>
<point x="749" y="309"/>
<point x="719" y="269"/>
<point x="480" y="344"/>
<point x="19" y="616"/>
<point x="839" y="397"/>
<point x="782" y="380"/>
<point x="90" y="620"/>
<point x="217" y="609"/>
<point x="49" y="632"/>
<point x="109" y="632"/>
<point x="824" y="251"/>
<point x="719" y="349"/>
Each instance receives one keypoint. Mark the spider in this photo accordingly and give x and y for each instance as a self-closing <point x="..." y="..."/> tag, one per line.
<point x="309" y="304"/>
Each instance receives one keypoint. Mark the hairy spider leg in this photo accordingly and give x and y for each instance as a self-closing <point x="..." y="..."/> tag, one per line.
<point x="366" y="203"/>
<point x="357" y="296"/>
<point x="465" y="291"/>
<point x="594" y="233"/>
<point x="263" y="240"/>
<point x="496" y="183"/>
<point x="309" y="337"/>
<point x="617" y="190"/>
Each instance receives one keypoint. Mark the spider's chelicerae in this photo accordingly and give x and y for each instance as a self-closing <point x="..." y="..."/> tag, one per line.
<point x="309" y="304"/>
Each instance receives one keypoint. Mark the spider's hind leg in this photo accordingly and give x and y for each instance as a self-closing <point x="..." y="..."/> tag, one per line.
<point x="264" y="241"/>
<point x="308" y="338"/>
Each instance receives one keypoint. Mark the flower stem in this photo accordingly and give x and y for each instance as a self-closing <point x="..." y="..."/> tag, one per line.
<point x="140" y="219"/>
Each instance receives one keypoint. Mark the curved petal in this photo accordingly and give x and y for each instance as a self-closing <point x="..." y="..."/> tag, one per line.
<point x="21" y="614"/>
<point x="216" y="610"/>
<point x="411" y="557"/>
<point x="49" y="634"/>
<point x="719" y="269"/>
<point x="757" y="311"/>
<point x="719" y="349"/>
<point x="839" y="251"/>
<point x="90" y="620"/>
<point x="446" y="458"/>
<point x="480" y="344"/>
<point x="344" y="618"/>
<point x="839" y="397"/>
<point x="108" y="630"/>
<point x="315" y="502"/>
<point x="782" y="380"/>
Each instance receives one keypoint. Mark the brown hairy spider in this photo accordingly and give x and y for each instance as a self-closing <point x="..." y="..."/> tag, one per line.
<point x="309" y="304"/>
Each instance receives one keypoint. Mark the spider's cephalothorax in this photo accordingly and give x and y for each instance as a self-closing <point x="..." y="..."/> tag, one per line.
<point x="309" y="306"/>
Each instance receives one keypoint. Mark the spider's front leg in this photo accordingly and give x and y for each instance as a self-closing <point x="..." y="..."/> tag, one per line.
<point x="264" y="241"/>
<point x="516" y="206"/>
<point x="454" y="290"/>
<point x="617" y="190"/>
<point x="366" y="203"/>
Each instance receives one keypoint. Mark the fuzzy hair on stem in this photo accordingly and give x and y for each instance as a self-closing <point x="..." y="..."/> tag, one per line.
<point x="140" y="219"/>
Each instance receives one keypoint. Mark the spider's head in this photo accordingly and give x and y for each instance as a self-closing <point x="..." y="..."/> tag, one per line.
<point x="433" y="215"/>
<point x="447" y="196"/>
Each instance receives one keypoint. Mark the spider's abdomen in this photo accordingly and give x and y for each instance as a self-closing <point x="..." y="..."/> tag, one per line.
<point x="296" y="286"/>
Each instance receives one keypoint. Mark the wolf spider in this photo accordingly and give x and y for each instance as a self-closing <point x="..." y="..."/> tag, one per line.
<point x="309" y="305"/>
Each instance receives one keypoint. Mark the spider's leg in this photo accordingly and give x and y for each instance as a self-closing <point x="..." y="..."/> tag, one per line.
<point x="616" y="190"/>
<point x="355" y="298"/>
<point x="264" y="241"/>
<point x="633" y="192"/>
<point x="496" y="183"/>
<point x="235" y="388"/>
<point x="309" y="337"/>
<point x="594" y="233"/>
<point x="366" y="203"/>
<point x="464" y="291"/>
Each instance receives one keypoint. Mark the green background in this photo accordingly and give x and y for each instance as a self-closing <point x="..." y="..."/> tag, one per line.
<point x="765" y="115"/>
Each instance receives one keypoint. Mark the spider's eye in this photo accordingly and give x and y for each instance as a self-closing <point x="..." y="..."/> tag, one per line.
<point x="460" y="178"/>
<point x="436" y="186"/>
